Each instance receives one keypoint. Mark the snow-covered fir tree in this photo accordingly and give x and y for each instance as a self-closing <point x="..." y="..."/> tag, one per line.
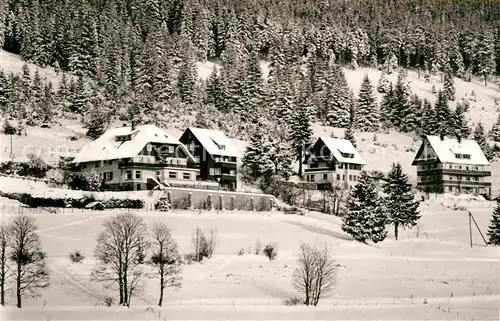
<point x="461" y="128"/>
<point x="367" y="112"/>
<point x="449" y="85"/>
<point x="411" y="121"/>
<point x="365" y="219"/>
<point x="349" y="135"/>
<point x="188" y="76"/>
<point x="493" y="232"/>
<point x="391" y="63"/>
<point x="338" y="98"/>
<point x="256" y="162"/>
<point x="495" y="131"/>
<point x="79" y="97"/>
<point x="400" y="203"/>
<point x="480" y="138"/>
<point x="484" y="55"/>
<point x="383" y="83"/>
<point x="427" y="123"/>
<point x="443" y="121"/>
<point x="401" y="105"/>
<point x="301" y="131"/>
<point x="388" y="103"/>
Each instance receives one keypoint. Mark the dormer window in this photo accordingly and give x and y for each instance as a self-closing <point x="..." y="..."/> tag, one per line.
<point x="462" y="156"/>
<point x="123" y="138"/>
<point x="222" y="147"/>
<point x="347" y="155"/>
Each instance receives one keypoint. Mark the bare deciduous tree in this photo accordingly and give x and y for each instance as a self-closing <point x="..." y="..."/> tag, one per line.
<point x="315" y="274"/>
<point x="4" y="243"/>
<point x="165" y="258"/>
<point x="30" y="264"/>
<point x="203" y="245"/>
<point x="336" y="195"/>
<point x="120" y="253"/>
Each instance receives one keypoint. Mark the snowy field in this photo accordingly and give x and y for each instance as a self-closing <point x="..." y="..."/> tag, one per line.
<point x="384" y="281"/>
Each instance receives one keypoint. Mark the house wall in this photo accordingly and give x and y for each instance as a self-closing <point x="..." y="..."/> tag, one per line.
<point x="343" y="173"/>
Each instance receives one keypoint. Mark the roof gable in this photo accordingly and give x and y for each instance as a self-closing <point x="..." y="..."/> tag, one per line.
<point x="450" y="150"/>
<point x="215" y="142"/>
<point x="342" y="150"/>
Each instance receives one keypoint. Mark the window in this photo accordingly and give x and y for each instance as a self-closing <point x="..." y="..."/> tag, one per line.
<point x="211" y="172"/>
<point x="232" y="172"/>
<point x="312" y="178"/>
<point x="139" y="186"/>
<point x="197" y="159"/>
<point x="350" y="177"/>
<point x="476" y="179"/>
<point x="459" y="178"/>
<point x="450" y="188"/>
<point x="325" y="177"/>
<point x="217" y="171"/>
<point x="171" y="149"/>
<point x="158" y="174"/>
<point x="108" y="176"/>
<point x="172" y="175"/>
<point x="222" y="147"/>
<point x="313" y="165"/>
<point x="343" y="177"/>
<point x="98" y="164"/>
<point x="468" y="178"/>
<point x="354" y="178"/>
<point x="186" y="175"/>
<point x="307" y="178"/>
<point x="451" y="178"/>
<point x="341" y="165"/>
<point x="84" y="165"/>
<point x="338" y="177"/>
<point x="138" y="174"/>
<point x="129" y="175"/>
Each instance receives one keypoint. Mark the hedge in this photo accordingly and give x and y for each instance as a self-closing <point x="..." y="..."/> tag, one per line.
<point x="32" y="201"/>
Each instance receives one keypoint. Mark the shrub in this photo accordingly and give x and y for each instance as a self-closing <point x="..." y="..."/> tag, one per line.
<point x="76" y="256"/>
<point x="278" y="186"/>
<point x="294" y="301"/>
<point x="8" y="129"/>
<point x="203" y="245"/>
<point x="108" y="301"/>
<point x="86" y="181"/>
<point x="241" y="252"/>
<point x="270" y="251"/>
<point x="163" y="204"/>
<point x="189" y="258"/>
<point x="180" y="203"/>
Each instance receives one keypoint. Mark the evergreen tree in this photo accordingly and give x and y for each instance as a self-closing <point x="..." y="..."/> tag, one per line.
<point x="427" y="123"/>
<point x="493" y="232"/>
<point x="401" y="102"/>
<point x="388" y="104"/>
<point x="349" y="135"/>
<point x="484" y="56"/>
<point x="383" y="83"/>
<point x="443" y="121"/>
<point x="338" y="99"/>
<point x="4" y="87"/>
<point x="188" y="76"/>
<point x="79" y="97"/>
<point x="213" y="88"/>
<point x="401" y="206"/>
<point x="365" y="219"/>
<point x="255" y="160"/>
<point x="411" y="121"/>
<point x="480" y="138"/>
<point x="495" y="130"/>
<point x="367" y="116"/>
<point x="301" y="130"/>
<point x="251" y="91"/>
<point x="449" y="86"/>
<point x="96" y="118"/>
<point x="460" y="127"/>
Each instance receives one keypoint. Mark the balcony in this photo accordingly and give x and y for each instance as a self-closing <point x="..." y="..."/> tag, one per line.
<point x="454" y="171"/>
<point x="152" y="162"/>
<point x="320" y="169"/>
<point x="225" y="160"/>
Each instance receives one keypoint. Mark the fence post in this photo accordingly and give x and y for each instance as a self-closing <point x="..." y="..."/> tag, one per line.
<point x="233" y="204"/>
<point x="169" y="197"/>
<point x="190" y="201"/>
<point x="271" y="204"/>
<point x="221" y="200"/>
<point x="252" y="204"/>
<point x="210" y="202"/>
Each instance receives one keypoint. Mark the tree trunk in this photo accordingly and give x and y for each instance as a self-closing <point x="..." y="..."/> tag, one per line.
<point x="485" y="80"/>
<point x="300" y="160"/>
<point x="125" y="287"/>
<point x="162" y="285"/>
<point x="396" y="230"/>
<point x="120" y="284"/>
<point x="2" y="280"/>
<point x="18" y="285"/>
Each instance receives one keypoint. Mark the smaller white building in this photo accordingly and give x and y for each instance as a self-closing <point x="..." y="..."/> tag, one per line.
<point x="332" y="161"/>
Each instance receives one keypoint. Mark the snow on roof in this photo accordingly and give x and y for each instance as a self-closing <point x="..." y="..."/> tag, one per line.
<point x="107" y="147"/>
<point x="338" y="146"/>
<point x="447" y="148"/>
<point x="215" y="142"/>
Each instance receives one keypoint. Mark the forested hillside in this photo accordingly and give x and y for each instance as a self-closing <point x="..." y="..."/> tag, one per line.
<point x="136" y="59"/>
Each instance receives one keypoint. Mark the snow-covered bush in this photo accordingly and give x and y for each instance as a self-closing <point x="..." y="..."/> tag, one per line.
<point x="76" y="256"/>
<point x="270" y="251"/>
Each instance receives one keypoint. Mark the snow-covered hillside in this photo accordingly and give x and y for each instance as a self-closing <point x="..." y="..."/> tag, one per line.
<point x="380" y="153"/>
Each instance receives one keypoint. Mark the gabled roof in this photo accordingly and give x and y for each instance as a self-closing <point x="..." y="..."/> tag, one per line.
<point x="214" y="141"/>
<point x="337" y="146"/>
<point x="446" y="149"/>
<point x="106" y="147"/>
